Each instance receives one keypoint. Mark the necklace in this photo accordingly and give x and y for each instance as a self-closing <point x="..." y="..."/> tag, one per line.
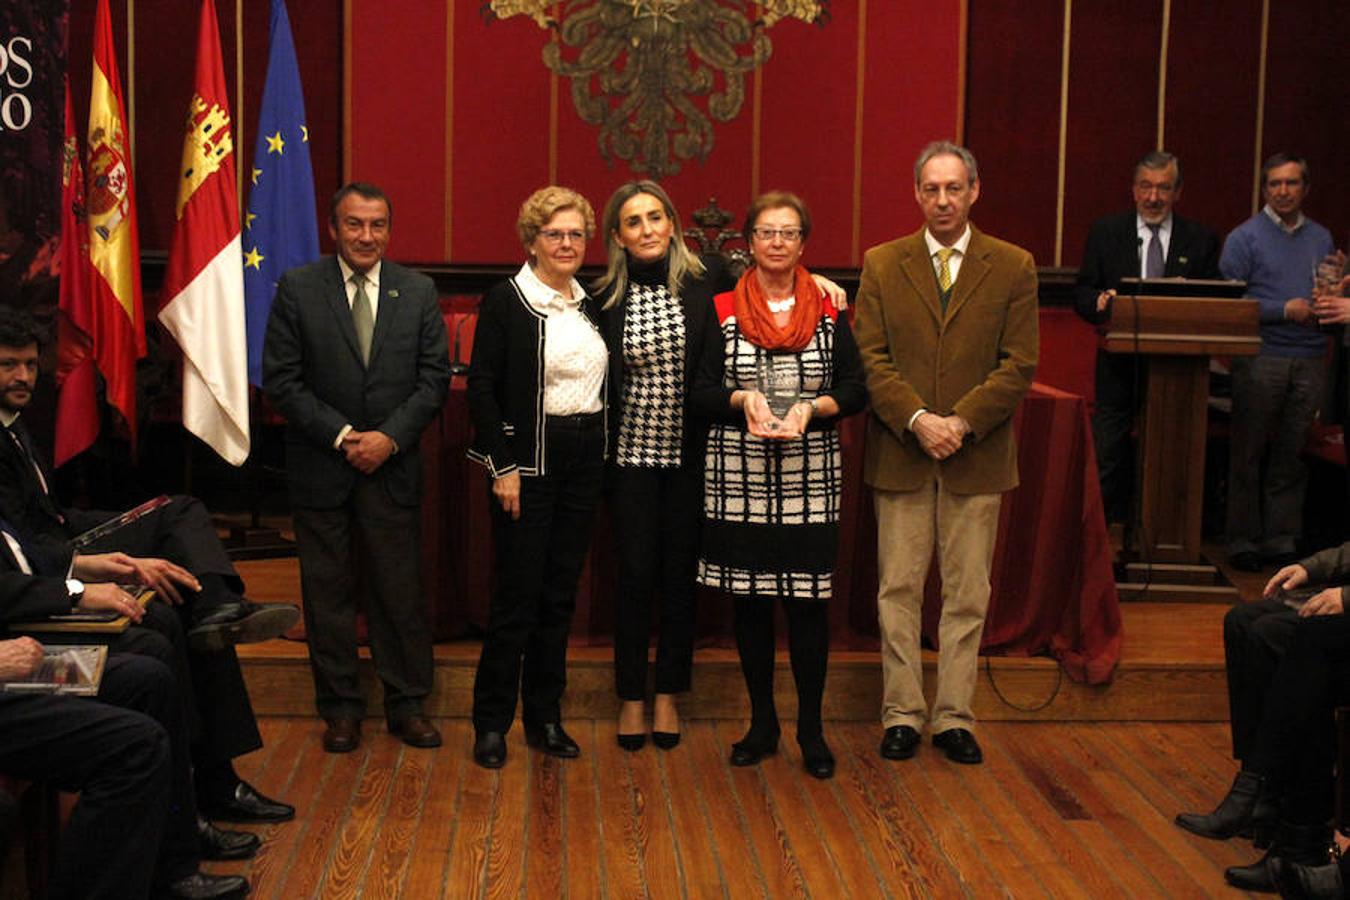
<point x="781" y="306"/>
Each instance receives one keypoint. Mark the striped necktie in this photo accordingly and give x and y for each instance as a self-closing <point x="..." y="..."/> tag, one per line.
<point x="945" y="269"/>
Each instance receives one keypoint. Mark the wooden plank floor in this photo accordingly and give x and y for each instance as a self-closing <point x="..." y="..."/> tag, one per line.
<point x="1058" y="810"/>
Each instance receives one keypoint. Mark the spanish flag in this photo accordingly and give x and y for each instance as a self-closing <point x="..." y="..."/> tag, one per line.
<point x="202" y="304"/>
<point x="114" y="248"/>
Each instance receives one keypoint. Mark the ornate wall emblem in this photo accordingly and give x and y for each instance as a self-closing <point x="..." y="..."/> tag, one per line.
<point x="654" y="74"/>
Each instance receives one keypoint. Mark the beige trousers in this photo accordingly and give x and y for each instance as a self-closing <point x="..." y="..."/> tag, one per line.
<point x="964" y="527"/>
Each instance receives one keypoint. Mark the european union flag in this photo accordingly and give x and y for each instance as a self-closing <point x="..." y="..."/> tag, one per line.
<point x="281" y="228"/>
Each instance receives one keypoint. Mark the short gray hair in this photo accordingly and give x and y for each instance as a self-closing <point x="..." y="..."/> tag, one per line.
<point x="1159" y="159"/>
<point x="947" y="148"/>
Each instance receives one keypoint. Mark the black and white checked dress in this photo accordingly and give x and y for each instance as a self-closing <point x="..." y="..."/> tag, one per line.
<point x="771" y="508"/>
<point x="651" y="421"/>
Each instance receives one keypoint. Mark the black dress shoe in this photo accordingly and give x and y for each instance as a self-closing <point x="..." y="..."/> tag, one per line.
<point x="241" y="623"/>
<point x="343" y="735"/>
<point x="1306" y="845"/>
<point x="489" y="749"/>
<point x="1245" y="561"/>
<point x="752" y="748"/>
<point x="218" y="844"/>
<point x="1297" y="881"/>
<point x="416" y="731"/>
<point x="632" y="742"/>
<point x="959" y="745"/>
<point x="1246" y="809"/>
<point x="551" y="738"/>
<point x="245" y="804"/>
<point x="899" y="742"/>
<point x="201" y="886"/>
<point x="816" y="756"/>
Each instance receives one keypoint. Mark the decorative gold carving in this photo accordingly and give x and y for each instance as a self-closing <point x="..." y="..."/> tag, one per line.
<point x="639" y="64"/>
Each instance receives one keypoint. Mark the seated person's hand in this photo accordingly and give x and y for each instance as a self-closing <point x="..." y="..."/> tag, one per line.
<point x="112" y="598"/>
<point x="164" y="577"/>
<point x="1328" y="602"/>
<point x="1286" y="579"/>
<point x="19" y="657"/>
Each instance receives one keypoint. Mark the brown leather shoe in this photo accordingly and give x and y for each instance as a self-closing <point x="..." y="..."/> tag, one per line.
<point x="416" y="731"/>
<point x="342" y="736"/>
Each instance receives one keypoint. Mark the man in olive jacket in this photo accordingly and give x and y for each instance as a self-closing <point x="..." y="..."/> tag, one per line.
<point x="947" y="328"/>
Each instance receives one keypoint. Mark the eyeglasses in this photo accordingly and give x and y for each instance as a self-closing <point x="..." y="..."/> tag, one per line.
<point x="1166" y="189"/>
<point x="556" y="236"/>
<point x="789" y="235"/>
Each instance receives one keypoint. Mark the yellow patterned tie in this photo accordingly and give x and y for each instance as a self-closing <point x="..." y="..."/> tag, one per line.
<point x="944" y="268"/>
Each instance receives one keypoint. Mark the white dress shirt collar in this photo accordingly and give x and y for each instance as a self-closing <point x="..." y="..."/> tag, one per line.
<point x="545" y="299"/>
<point x="954" y="261"/>
<point x="1287" y="229"/>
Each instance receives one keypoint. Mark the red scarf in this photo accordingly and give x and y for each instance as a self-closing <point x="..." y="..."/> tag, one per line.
<point x="756" y="321"/>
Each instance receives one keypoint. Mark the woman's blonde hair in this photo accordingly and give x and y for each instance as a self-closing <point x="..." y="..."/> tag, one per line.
<point x="681" y="262"/>
<point x="544" y="204"/>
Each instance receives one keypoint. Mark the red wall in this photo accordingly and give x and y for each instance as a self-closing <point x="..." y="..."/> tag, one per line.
<point x="458" y="118"/>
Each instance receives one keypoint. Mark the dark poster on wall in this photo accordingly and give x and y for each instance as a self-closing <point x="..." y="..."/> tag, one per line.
<point x="32" y="69"/>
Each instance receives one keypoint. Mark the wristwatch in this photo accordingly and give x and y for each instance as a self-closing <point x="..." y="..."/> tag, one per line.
<point x="75" y="588"/>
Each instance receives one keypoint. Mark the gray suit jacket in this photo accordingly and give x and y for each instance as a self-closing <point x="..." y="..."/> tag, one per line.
<point x="313" y="375"/>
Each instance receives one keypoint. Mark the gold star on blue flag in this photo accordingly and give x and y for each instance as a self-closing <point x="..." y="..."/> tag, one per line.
<point x="282" y="217"/>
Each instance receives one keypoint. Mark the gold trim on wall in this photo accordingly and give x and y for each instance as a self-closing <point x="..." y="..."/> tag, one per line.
<point x="756" y="129"/>
<point x="130" y="123"/>
<point x="855" y="252"/>
<point x="238" y="101"/>
<point x="553" y="109"/>
<point x="1063" y="129"/>
<point x="1260" y="106"/>
<point x="1162" y="72"/>
<point x="346" y="91"/>
<point x="449" y="121"/>
<point x="962" y="45"/>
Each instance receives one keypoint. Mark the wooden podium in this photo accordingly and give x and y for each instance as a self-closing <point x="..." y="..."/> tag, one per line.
<point x="1174" y="338"/>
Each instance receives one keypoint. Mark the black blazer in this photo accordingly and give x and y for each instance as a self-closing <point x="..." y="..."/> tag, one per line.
<point x="701" y="332"/>
<point x="506" y="388"/>
<point x="1112" y="253"/>
<point x="313" y="375"/>
<point x="25" y="597"/>
<point x="31" y="514"/>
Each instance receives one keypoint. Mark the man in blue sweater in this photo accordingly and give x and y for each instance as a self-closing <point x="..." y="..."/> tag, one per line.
<point x="1275" y="394"/>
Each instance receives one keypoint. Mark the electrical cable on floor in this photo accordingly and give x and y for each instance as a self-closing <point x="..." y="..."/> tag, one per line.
<point x="1059" y="681"/>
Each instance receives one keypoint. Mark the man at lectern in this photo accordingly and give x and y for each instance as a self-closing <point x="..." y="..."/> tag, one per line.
<point x="1149" y="241"/>
<point x="1277" y="393"/>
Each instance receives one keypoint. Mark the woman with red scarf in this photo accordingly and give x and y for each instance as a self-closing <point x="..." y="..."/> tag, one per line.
<point x="787" y="371"/>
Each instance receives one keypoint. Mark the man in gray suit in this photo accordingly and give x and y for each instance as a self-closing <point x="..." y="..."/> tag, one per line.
<point x="356" y="360"/>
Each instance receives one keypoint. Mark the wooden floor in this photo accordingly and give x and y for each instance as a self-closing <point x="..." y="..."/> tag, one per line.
<point x="1057" y="810"/>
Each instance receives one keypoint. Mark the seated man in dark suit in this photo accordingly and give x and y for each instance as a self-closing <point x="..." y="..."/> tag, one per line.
<point x="1150" y="241"/>
<point x="131" y="831"/>
<point x="177" y="552"/>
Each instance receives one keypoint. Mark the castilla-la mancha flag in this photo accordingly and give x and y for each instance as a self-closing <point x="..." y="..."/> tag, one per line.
<point x="114" y="247"/>
<point x="203" y="299"/>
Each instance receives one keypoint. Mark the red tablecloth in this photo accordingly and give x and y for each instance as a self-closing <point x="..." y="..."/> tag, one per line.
<point x="1053" y="590"/>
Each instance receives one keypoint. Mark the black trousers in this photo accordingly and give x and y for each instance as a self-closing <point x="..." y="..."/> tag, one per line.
<point x="1296" y="747"/>
<point x="1112" y="421"/>
<point x="808" y="650"/>
<point x="1256" y="637"/>
<point x="221" y="717"/>
<point x="539" y="560"/>
<point x="385" y="535"/>
<point x="125" y="753"/>
<point x="655" y="515"/>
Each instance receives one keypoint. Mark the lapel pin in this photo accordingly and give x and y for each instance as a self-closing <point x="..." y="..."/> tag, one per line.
<point x="1183" y="260"/>
<point x="392" y="292"/>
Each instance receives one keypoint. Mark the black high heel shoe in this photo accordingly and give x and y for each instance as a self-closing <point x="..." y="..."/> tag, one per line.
<point x="634" y="742"/>
<point x="816" y="756"/>
<point x="665" y="740"/>
<point x="752" y="748"/>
